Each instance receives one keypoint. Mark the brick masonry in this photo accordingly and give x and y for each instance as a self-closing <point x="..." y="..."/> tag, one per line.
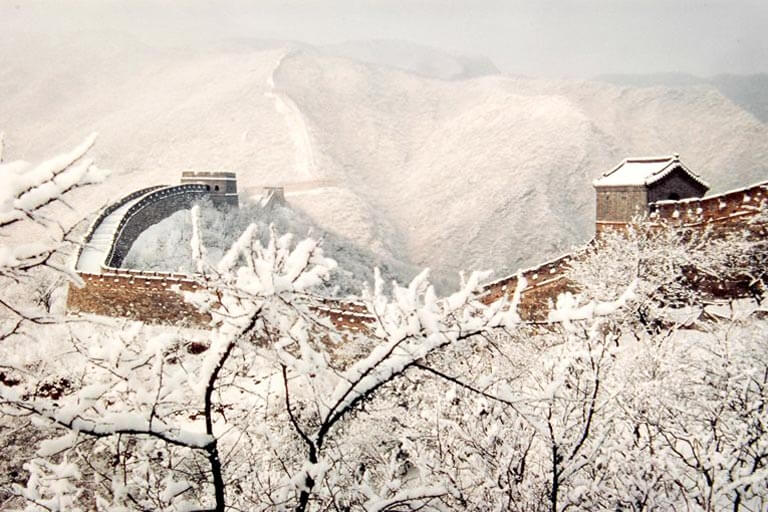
<point x="623" y="203"/>
<point x="675" y="186"/>
<point x="153" y="297"/>
<point x="619" y="204"/>
<point x="146" y="296"/>
<point x="149" y="211"/>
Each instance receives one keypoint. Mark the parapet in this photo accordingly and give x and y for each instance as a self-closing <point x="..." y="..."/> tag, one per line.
<point x="221" y="184"/>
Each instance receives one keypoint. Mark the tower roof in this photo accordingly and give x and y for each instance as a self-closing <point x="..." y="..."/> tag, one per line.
<point x="645" y="171"/>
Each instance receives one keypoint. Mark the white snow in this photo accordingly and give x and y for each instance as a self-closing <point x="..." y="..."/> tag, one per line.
<point x="409" y="155"/>
<point x="297" y="125"/>
<point x="643" y="171"/>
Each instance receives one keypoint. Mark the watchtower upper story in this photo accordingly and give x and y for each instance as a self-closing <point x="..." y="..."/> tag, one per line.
<point x="222" y="185"/>
<point x="627" y="191"/>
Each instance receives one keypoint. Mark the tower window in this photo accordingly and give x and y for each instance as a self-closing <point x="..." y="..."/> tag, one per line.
<point x="674" y="196"/>
<point x="216" y="187"/>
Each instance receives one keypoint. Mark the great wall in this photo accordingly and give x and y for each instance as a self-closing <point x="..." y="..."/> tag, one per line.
<point x="656" y="189"/>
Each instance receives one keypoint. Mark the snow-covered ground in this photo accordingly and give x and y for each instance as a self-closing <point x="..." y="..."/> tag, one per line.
<point x="296" y="124"/>
<point x="480" y="171"/>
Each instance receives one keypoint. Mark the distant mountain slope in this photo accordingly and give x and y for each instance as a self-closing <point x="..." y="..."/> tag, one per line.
<point x="750" y="92"/>
<point x="413" y="58"/>
<point x="496" y="172"/>
<point x="483" y="172"/>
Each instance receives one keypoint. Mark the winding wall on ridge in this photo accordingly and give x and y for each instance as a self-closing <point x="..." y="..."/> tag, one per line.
<point x="154" y="297"/>
<point x="722" y="213"/>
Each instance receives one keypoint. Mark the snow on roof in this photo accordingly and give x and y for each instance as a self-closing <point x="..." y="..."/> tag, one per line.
<point x="644" y="171"/>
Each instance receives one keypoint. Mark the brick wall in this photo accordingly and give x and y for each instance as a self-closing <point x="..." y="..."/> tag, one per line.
<point x="104" y="213"/>
<point x="155" y="297"/>
<point x="221" y="185"/>
<point x="677" y="183"/>
<point x="543" y="284"/>
<point x="722" y="207"/>
<point x="151" y="296"/>
<point x="620" y="204"/>
<point x="157" y="206"/>
<point x="145" y="296"/>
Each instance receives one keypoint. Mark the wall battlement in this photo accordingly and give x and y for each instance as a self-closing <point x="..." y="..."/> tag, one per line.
<point x="155" y="297"/>
<point x="151" y="209"/>
<point x="221" y="185"/>
<point x="712" y="208"/>
<point x="208" y="174"/>
<point x="147" y="297"/>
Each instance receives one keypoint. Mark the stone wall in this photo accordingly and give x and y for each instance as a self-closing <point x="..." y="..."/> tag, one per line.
<point x="146" y="296"/>
<point x="345" y="315"/>
<point x="543" y="284"/>
<point x="719" y="208"/>
<point x="152" y="297"/>
<point x="105" y="212"/>
<point x="218" y="181"/>
<point x="676" y="185"/>
<point x="149" y="211"/>
<point x="157" y="298"/>
<point x="620" y="204"/>
<point x="222" y="185"/>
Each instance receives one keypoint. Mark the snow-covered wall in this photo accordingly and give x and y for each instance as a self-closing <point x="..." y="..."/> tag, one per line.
<point x="154" y="296"/>
<point x="415" y="162"/>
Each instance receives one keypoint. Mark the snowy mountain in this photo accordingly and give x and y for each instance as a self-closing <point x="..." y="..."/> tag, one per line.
<point x="372" y="140"/>
<point x="417" y="59"/>
<point x="750" y="92"/>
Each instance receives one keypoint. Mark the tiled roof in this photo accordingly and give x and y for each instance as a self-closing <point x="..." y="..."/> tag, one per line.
<point x="644" y="171"/>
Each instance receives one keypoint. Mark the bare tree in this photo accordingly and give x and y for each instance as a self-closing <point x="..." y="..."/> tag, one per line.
<point x="430" y="404"/>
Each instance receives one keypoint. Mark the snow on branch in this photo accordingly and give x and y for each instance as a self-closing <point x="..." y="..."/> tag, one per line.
<point x="566" y="308"/>
<point x="418" y="498"/>
<point x="25" y="189"/>
<point x="106" y="424"/>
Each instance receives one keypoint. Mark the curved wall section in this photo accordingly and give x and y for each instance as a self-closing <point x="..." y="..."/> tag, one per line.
<point x="156" y="297"/>
<point x="151" y="209"/>
<point x="97" y="240"/>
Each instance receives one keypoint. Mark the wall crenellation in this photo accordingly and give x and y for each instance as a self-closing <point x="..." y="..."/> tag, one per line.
<point x="150" y="210"/>
<point x="109" y="209"/>
<point x="155" y="297"/>
<point x="148" y="298"/>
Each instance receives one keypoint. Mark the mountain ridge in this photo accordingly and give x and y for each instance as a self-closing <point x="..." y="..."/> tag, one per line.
<point x="488" y="171"/>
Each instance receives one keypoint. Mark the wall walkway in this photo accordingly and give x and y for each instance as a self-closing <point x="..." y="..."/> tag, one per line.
<point x="154" y="297"/>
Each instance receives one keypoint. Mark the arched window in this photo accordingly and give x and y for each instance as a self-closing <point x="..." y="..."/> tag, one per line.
<point x="216" y="187"/>
<point x="674" y="196"/>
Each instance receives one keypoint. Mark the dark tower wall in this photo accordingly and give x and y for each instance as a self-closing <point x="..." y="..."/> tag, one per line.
<point x="675" y="186"/>
<point x="154" y="208"/>
<point x="222" y="185"/>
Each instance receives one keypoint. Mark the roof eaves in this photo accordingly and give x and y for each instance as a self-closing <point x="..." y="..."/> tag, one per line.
<point x="628" y="160"/>
<point x="606" y="174"/>
<point x="664" y="171"/>
<point x="674" y="164"/>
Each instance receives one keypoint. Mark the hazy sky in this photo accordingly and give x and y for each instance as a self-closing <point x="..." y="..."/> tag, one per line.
<point x="574" y="38"/>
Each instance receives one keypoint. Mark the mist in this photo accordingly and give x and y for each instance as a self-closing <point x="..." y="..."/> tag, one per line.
<point x="571" y="39"/>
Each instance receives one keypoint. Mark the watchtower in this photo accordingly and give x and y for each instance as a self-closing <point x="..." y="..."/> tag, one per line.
<point x="222" y="185"/>
<point x="626" y="191"/>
